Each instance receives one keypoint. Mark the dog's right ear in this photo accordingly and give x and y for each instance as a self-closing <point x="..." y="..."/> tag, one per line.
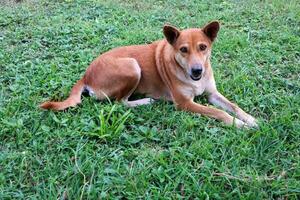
<point x="171" y="33"/>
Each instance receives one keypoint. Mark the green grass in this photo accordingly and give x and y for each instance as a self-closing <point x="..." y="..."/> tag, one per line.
<point x="155" y="152"/>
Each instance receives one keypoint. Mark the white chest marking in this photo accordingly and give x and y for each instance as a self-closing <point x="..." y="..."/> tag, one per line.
<point x="192" y="88"/>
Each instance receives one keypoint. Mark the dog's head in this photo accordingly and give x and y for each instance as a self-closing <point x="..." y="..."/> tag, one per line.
<point x="192" y="47"/>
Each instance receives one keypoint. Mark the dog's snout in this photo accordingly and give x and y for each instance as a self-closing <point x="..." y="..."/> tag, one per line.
<point x="196" y="70"/>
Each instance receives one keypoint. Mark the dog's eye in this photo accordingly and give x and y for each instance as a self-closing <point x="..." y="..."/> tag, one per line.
<point x="183" y="49"/>
<point x="202" y="47"/>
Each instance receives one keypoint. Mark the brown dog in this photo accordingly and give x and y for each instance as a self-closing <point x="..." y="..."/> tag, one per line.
<point x="176" y="69"/>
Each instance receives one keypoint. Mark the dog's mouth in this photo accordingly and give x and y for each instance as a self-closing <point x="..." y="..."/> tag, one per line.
<point x="196" y="78"/>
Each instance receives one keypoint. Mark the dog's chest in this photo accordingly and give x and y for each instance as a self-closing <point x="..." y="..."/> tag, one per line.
<point x="194" y="88"/>
<point x="198" y="89"/>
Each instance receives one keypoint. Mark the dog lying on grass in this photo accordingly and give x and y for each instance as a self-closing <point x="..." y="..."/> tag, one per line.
<point x="176" y="68"/>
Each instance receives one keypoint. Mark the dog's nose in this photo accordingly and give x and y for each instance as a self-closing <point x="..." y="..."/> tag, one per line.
<point x="196" y="71"/>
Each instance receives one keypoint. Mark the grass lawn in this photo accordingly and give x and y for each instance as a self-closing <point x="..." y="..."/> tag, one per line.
<point x="154" y="152"/>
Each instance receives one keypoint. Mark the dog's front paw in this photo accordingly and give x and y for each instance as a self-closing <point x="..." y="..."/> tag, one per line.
<point x="251" y="122"/>
<point x="239" y="123"/>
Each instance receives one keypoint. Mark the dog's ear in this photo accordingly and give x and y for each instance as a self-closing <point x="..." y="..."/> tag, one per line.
<point x="211" y="30"/>
<point x="171" y="33"/>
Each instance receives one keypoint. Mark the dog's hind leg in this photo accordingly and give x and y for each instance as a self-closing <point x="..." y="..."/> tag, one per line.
<point x="138" y="102"/>
<point x="133" y="78"/>
<point x="111" y="77"/>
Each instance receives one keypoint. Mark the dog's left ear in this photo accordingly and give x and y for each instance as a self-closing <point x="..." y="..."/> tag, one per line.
<point x="211" y="30"/>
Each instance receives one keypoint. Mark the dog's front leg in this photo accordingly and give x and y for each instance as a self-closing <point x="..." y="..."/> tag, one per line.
<point x="218" y="99"/>
<point x="210" y="112"/>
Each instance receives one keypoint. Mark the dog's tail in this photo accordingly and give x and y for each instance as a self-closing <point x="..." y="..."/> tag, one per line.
<point x="72" y="100"/>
